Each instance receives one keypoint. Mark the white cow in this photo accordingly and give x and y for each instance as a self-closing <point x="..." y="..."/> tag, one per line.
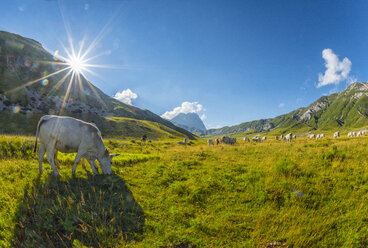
<point x="336" y="135"/>
<point x="320" y="136"/>
<point x="210" y="142"/>
<point x="294" y="137"/>
<point x="282" y="137"/>
<point x="246" y="139"/>
<point x="289" y="137"/>
<point x="312" y="136"/>
<point x="69" y="135"/>
<point x="256" y="139"/>
<point x="264" y="138"/>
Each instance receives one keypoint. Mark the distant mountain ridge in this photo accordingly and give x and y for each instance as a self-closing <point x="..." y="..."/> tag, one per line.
<point x="190" y="121"/>
<point x="24" y="60"/>
<point x="346" y="109"/>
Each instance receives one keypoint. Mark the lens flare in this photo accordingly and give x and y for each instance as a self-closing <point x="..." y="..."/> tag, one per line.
<point x="45" y="82"/>
<point x="15" y="109"/>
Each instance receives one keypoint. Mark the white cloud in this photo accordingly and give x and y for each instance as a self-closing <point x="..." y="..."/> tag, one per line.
<point x="281" y="105"/>
<point x="185" y="108"/>
<point x="126" y="96"/>
<point x="336" y="71"/>
<point x="203" y="117"/>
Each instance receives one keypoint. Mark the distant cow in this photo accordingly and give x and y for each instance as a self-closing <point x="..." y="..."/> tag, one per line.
<point x="294" y="137"/>
<point x="277" y="137"/>
<point x="144" y="138"/>
<point x="246" y="139"/>
<point x="312" y="136"/>
<point x="70" y="135"/>
<point x="264" y="138"/>
<point x="256" y="139"/>
<point x="210" y="142"/>
<point x="228" y="140"/>
<point x="184" y="142"/>
<point x="282" y="137"/>
<point x="289" y="137"/>
<point x="320" y="136"/>
<point x="336" y="135"/>
<point x="217" y="141"/>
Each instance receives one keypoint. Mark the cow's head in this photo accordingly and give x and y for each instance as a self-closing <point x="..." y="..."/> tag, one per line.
<point x="106" y="162"/>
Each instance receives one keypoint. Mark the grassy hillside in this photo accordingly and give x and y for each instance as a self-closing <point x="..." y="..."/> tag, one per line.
<point x="119" y="127"/>
<point x="339" y="111"/>
<point x="305" y="194"/>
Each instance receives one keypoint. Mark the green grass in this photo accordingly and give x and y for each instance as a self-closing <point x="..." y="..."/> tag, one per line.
<point x="305" y="194"/>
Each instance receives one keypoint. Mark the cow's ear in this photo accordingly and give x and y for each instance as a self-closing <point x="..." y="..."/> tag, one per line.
<point x="114" y="155"/>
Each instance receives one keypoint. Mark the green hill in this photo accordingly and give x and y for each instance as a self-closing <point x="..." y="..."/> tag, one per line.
<point x="345" y="110"/>
<point x="23" y="98"/>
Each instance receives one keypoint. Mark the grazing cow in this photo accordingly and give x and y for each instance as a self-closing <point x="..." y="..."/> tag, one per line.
<point x="359" y="133"/>
<point x="144" y="138"/>
<point x="336" y="135"/>
<point x="289" y="137"/>
<point x="217" y="141"/>
<point x="246" y="139"/>
<point x="294" y="137"/>
<point x="350" y="134"/>
<point x="184" y="142"/>
<point x="210" y="142"/>
<point x="256" y="139"/>
<point x="282" y="137"/>
<point x="312" y="136"/>
<point x="264" y="138"/>
<point x="69" y="135"/>
<point x="228" y="140"/>
<point x="320" y="136"/>
<point x="277" y="137"/>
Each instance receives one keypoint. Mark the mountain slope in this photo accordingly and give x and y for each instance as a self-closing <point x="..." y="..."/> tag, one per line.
<point x="347" y="109"/>
<point x="24" y="60"/>
<point x="189" y="121"/>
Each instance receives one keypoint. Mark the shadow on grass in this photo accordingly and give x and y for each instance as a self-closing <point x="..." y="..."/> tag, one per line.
<point x="98" y="211"/>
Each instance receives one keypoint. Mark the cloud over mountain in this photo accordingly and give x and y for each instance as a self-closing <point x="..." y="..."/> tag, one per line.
<point x="336" y="70"/>
<point x="126" y="96"/>
<point x="185" y="108"/>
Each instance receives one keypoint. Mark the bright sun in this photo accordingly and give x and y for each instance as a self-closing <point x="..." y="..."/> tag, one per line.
<point x="76" y="64"/>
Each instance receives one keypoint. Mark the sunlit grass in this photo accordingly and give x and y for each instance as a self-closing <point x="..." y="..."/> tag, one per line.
<point x="305" y="194"/>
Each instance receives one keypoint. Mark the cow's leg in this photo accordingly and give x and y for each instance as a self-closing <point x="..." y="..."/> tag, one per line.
<point x="41" y="153"/>
<point x="56" y="160"/>
<point x="93" y="166"/>
<point x="50" y="157"/>
<point x="78" y="157"/>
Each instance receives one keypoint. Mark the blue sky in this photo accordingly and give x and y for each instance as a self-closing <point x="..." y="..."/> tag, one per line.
<point x="231" y="61"/>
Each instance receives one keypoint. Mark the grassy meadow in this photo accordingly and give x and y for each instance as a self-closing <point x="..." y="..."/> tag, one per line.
<point x="274" y="194"/>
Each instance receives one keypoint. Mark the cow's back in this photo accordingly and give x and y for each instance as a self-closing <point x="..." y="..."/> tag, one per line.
<point x="68" y="133"/>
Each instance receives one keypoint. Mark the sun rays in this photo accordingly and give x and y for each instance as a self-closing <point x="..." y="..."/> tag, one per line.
<point x="73" y="68"/>
<point x="69" y="67"/>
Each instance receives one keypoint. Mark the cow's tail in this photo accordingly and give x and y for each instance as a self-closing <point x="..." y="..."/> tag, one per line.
<point x="42" y="120"/>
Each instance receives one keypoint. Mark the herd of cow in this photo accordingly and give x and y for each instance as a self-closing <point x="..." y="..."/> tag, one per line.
<point x="70" y="135"/>
<point x="288" y="138"/>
